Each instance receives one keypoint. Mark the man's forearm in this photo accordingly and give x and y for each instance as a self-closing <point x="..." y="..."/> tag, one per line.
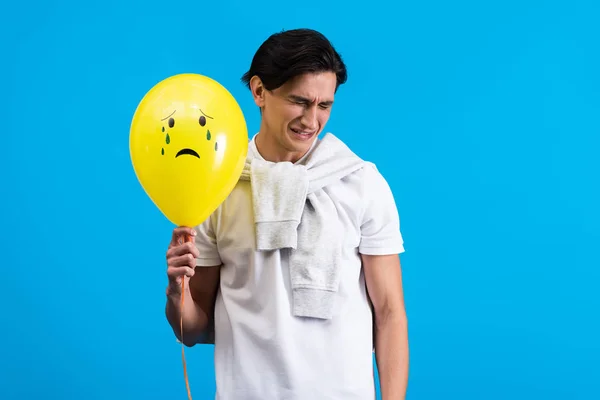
<point x="391" y="353"/>
<point x="195" y="320"/>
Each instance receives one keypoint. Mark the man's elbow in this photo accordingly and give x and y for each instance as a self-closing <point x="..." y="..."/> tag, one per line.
<point x="187" y="342"/>
<point x="205" y="336"/>
<point x="391" y="315"/>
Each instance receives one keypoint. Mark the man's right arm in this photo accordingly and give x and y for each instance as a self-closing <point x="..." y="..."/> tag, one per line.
<point x="199" y="303"/>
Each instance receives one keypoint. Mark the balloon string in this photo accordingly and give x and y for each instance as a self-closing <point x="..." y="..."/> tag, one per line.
<point x="185" y="375"/>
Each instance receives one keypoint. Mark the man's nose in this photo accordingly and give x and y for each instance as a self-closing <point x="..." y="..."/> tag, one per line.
<point x="309" y="119"/>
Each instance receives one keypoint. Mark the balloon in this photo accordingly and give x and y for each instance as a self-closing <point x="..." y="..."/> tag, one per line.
<point x="188" y="143"/>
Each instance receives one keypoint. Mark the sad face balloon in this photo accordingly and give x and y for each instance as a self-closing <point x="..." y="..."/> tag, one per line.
<point x="188" y="144"/>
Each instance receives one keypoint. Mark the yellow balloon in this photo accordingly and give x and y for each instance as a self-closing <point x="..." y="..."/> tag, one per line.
<point x="188" y="143"/>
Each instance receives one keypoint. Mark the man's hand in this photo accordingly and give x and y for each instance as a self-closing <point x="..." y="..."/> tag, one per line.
<point x="181" y="259"/>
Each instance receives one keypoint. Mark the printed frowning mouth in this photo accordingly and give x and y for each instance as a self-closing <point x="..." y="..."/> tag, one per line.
<point x="188" y="152"/>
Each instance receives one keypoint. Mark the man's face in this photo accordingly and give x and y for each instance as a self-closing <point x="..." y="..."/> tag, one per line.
<point x="296" y="113"/>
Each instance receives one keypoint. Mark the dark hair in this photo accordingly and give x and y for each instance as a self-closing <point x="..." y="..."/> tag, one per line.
<point x="288" y="54"/>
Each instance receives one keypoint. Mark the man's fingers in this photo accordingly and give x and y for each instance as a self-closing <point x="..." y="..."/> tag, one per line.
<point x="180" y="235"/>
<point x="175" y="272"/>
<point x="185" y="248"/>
<point x="186" y="260"/>
<point x="181" y="255"/>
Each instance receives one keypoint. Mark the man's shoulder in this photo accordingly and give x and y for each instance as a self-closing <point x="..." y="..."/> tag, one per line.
<point x="374" y="185"/>
<point x="349" y="150"/>
<point x="372" y="172"/>
<point x="369" y="174"/>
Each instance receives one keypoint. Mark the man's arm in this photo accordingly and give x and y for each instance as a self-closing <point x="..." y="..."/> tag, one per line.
<point x="384" y="284"/>
<point x="199" y="304"/>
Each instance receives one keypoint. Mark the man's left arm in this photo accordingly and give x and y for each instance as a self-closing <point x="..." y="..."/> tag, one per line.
<point x="384" y="284"/>
<point x="380" y="248"/>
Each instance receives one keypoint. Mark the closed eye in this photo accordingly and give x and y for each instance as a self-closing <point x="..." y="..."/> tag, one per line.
<point x="306" y="103"/>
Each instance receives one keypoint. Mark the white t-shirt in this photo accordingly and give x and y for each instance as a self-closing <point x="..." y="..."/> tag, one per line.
<point x="262" y="351"/>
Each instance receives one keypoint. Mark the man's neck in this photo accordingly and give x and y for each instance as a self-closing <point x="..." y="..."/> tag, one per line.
<point x="271" y="151"/>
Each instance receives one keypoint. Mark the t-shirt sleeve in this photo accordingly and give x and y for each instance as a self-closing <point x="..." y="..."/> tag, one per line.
<point x="380" y="225"/>
<point x="206" y="243"/>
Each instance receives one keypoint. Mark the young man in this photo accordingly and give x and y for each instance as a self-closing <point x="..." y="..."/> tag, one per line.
<point x="296" y="276"/>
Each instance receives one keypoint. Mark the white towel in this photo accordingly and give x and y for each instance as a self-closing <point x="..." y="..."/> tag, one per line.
<point x="293" y="211"/>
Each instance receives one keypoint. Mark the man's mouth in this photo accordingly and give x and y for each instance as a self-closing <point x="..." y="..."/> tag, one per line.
<point x="188" y="152"/>
<point x="302" y="133"/>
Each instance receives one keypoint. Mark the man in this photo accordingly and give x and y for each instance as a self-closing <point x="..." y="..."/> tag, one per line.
<point x="297" y="274"/>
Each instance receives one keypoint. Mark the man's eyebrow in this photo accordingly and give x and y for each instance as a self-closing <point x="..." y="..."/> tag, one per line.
<point x="302" y="99"/>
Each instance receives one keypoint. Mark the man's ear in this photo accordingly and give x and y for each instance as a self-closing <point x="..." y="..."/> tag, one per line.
<point x="258" y="91"/>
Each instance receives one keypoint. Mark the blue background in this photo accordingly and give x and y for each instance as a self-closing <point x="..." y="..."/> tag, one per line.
<point x="483" y="116"/>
